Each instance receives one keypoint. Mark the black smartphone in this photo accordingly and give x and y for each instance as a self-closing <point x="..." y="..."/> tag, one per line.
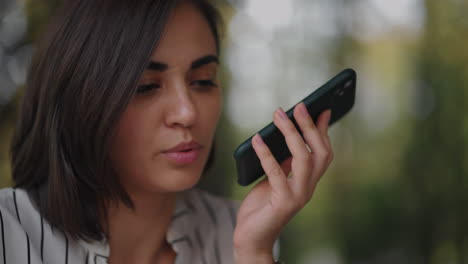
<point x="338" y="94"/>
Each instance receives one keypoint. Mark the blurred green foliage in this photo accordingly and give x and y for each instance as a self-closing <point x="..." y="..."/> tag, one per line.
<point x="399" y="195"/>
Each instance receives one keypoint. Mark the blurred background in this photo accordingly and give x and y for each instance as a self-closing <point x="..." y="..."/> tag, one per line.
<point x="397" y="191"/>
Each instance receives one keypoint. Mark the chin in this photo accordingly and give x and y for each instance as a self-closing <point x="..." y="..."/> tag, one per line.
<point x="184" y="184"/>
<point x="163" y="177"/>
<point x="176" y="181"/>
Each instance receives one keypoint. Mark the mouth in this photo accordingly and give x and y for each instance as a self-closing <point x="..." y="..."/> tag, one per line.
<point x="184" y="153"/>
<point x="183" y="157"/>
<point x="187" y="150"/>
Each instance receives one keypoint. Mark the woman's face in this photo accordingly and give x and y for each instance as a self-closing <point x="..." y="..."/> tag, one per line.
<point x="165" y="135"/>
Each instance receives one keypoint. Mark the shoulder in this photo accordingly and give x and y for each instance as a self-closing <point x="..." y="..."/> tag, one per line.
<point x="7" y="211"/>
<point x="16" y="214"/>
<point x="26" y="236"/>
<point x="12" y="202"/>
<point x="6" y="195"/>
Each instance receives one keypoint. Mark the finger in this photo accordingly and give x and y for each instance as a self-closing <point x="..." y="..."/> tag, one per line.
<point x="292" y="137"/>
<point x="310" y="132"/>
<point x="301" y="157"/>
<point x="322" y="125"/>
<point x="272" y="169"/>
<point x="314" y="139"/>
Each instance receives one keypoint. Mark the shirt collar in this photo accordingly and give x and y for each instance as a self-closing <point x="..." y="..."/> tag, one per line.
<point x="177" y="235"/>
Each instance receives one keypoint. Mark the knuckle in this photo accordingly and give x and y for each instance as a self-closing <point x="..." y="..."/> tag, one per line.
<point x="331" y="156"/>
<point x="289" y="128"/>
<point x="274" y="170"/>
<point x="310" y="125"/>
<point x="306" y="158"/>
<point x="323" y="154"/>
<point x="307" y="127"/>
<point x="328" y="155"/>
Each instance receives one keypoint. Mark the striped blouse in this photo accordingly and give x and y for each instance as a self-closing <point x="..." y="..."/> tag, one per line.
<point x="201" y="231"/>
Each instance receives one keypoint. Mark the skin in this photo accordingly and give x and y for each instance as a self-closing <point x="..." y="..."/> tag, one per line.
<point x="177" y="109"/>
<point x="180" y="108"/>
<point x="274" y="201"/>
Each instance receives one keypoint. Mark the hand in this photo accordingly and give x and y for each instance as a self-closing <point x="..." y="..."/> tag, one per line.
<point x="274" y="201"/>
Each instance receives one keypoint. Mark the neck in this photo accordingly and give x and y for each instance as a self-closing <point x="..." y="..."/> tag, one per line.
<point x="138" y="235"/>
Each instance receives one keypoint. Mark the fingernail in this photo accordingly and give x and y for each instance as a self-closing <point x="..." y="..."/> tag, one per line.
<point x="282" y="114"/>
<point x="303" y="109"/>
<point x="259" y="139"/>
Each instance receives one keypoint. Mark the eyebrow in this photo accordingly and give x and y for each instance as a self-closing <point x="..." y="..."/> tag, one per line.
<point x="159" y="66"/>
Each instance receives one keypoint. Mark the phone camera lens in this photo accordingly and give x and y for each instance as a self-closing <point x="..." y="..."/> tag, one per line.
<point x="348" y="84"/>
<point x="339" y="92"/>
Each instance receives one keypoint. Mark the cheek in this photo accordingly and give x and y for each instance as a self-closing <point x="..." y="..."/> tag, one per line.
<point x="132" y="138"/>
<point x="212" y="110"/>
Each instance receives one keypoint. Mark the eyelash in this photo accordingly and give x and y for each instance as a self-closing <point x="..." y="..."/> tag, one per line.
<point x="203" y="85"/>
<point x="146" y="88"/>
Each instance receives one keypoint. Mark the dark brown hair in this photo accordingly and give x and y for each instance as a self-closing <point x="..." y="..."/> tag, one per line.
<point x="83" y="75"/>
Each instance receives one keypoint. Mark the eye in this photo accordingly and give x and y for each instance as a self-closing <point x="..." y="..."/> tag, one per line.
<point x="204" y="84"/>
<point x="144" y="88"/>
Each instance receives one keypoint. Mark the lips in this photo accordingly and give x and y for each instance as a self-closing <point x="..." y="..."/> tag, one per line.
<point x="184" y="153"/>
<point x="185" y="146"/>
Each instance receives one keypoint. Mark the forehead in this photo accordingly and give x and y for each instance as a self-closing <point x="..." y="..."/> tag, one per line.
<point x="187" y="37"/>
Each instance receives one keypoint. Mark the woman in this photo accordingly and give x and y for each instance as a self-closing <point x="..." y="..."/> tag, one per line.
<point x="116" y="128"/>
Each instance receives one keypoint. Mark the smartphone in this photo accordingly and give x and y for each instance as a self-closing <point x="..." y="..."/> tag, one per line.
<point x="338" y="94"/>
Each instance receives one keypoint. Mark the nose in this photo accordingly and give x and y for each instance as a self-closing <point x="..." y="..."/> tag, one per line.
<point x="182" y="110"/>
